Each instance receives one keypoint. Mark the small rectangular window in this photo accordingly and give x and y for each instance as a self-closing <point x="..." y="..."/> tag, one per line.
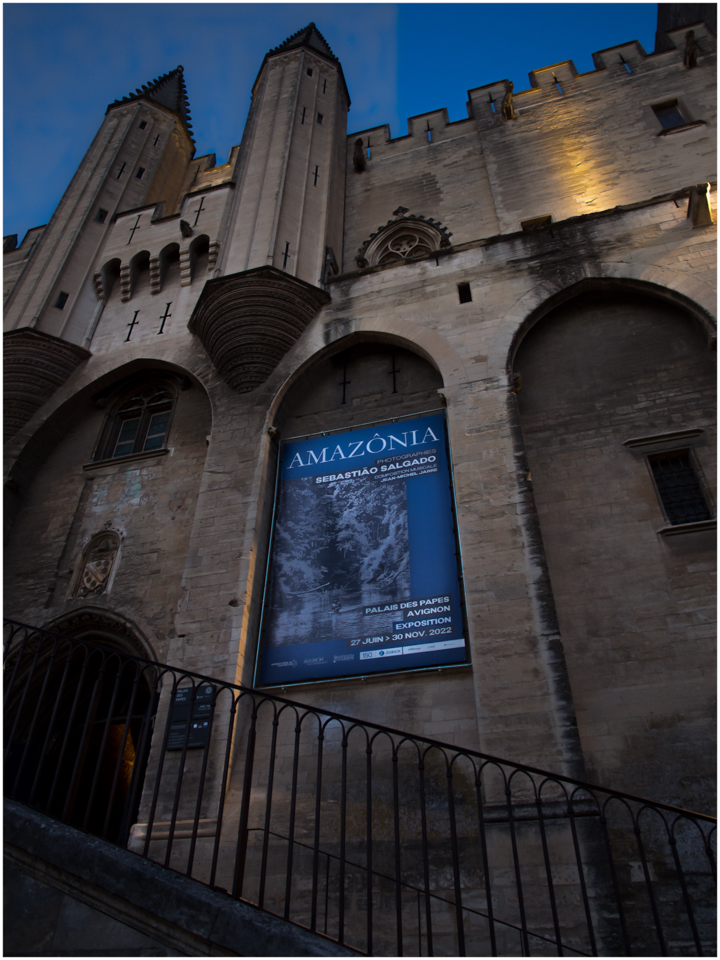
<point x="302" y="118"/>
<point x="324" y="85"/>
<point x="101" y="216"/>
<point x="464" y="293"/>
<point x="62" y="300"/>
<point x="126" y="438"/>
<point x="309" y="71"/>
<point x="139" y="174"/>
<point x="143" y="125"/>
<point x="536" y="222"/>
<point x="679" y="488"/>
<point x="320" y="118"/>
<point x="669" y="115"/>
<point x="120" y="171"/>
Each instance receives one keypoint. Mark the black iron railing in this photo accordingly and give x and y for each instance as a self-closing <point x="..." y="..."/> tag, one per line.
<point x="385" y="841"/>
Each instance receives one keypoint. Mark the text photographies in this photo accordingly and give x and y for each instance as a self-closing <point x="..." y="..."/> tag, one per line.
<point x="360" y="448"/>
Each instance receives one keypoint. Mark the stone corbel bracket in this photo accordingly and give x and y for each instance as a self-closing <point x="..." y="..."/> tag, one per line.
<point x="248" y="321"/>
<point x="36" y="364"/>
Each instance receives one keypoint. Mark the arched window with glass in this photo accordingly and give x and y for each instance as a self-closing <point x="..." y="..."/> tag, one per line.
<point x="139" y="421"/>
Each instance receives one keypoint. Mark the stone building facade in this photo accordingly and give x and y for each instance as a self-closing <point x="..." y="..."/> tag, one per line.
<point x="542" y="271"/>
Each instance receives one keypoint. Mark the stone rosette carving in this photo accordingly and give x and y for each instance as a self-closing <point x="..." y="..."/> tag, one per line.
<point x="408" y="236"/>
<point x="36" y="364"/>
<point x="248" y="321"/>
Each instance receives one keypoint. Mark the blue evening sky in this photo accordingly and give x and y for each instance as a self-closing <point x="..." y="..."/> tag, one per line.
<point x="65" y="62"/>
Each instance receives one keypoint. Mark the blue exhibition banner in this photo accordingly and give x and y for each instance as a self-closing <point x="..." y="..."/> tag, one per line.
<point x="363" y="576"/>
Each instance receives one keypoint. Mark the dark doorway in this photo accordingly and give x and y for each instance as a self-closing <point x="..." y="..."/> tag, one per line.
<point x="77" y="726"/>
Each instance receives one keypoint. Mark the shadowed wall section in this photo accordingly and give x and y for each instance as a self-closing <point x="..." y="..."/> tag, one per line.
<point x="598" y="371"/>
<point x="36" y="364"/>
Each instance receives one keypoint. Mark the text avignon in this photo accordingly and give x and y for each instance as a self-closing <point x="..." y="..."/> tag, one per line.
<point x="360" y="448"/>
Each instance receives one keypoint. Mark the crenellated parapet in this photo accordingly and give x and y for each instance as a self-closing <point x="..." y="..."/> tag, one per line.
<point x="637" y="126"/>
<point x="626" y="62"/>
<point x="203" y="173"/>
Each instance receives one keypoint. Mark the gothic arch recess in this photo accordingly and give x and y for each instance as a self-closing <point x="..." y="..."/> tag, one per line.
<point x="98" y="625"/>
<point x="35" y="445"/>
<point x="311" y="401"/>
<point x="619" y="286"/>
<point x="611" y="381"/>
<point x="90" y="710"/>
<point x="359" y="378"/>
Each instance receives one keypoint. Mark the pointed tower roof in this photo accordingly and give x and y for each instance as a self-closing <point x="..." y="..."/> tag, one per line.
<point x="309" y="36"/>
<point x="168" y="91"/>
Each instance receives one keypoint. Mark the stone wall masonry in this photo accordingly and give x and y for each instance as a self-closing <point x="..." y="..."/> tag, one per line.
<point x="282" y="217"/>
<point x="639" y="644"/>
<point x="85" y="897"/>
<point x="106" y="179"/>
<point x="428" y="178"/>
<point x="510" y="278"/>
<point x="586" y="142"/>
<point x="517" y="703"/>
<point x="203" y="172"/>
<point x="176" y="151"/>
<point x="138" y="230"/>
<point x="17" y="260"/>
<point x="150" y="503"/>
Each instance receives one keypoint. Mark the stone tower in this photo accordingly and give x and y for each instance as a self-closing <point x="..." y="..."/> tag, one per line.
<point x="139" y="156"/>
<point x="291" y="172"/>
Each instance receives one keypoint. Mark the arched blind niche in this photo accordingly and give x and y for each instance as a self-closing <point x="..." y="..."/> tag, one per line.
<point x="365" y="382"/>
<point x="607" y="381"/>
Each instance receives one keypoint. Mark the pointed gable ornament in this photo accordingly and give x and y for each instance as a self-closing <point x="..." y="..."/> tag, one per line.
<point x="311" y="37"/>
<point x="168" y="91"/>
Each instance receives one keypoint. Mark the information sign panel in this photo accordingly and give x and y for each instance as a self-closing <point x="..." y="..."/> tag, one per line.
<point x="363" y="576"/>
<point x="200" y="722"/>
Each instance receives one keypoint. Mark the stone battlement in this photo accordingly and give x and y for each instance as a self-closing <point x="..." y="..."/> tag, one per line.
<point x="623" y="62"/>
